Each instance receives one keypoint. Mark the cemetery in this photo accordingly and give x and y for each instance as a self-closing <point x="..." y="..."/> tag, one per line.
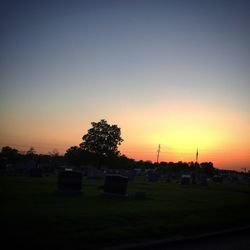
<point x="121" y="212"/>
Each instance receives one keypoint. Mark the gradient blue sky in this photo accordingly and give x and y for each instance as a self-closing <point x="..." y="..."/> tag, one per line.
<point x="140" y="64"/>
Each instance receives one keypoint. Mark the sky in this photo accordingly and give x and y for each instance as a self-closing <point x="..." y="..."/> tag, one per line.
<point x="174" y="73"/>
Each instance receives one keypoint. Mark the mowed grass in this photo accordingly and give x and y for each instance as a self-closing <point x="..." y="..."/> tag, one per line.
<point x="32" y="214"/>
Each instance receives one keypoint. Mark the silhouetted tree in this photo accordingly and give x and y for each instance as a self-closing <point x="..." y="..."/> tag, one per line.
<point x="31" y="152"/>
<point x="208" y="168"/>
<point x="119" y="162"/>
<point x="10" y="153"/>
<point x="77" y="156"/>
<point x="73" y="155"/>
<point x="54" y="153"/>
<point x="102" y="139"/>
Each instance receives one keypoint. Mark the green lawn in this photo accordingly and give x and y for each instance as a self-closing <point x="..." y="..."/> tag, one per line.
<point x="32" y="212"/>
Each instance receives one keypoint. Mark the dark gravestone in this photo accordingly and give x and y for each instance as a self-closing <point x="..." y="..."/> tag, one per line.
<point x="3" y="163"/>
<point x="217" y="178"/>
<point x="30" y="168"/>
<point x="203" y="180"/>
<point x="36" y="172"/>
<point x="164" y="178"/>
<point x="69" y="182"/>
<point x="10" y="169"/>
<point x="153" y="177"/>
<point x="94" y="173"/>
<point x="115" y="186"/>
<point x="193" y="178"/>
<point x="47" y="168"/>
<point x="131" y="175"/>
<point x="185" y="179"/>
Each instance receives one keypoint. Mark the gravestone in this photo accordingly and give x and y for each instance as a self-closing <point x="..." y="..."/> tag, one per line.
<point x="10" y="169"/>
<point x="47" y="168"/>
<point x="193" y="177"/>
<point x="115" y="186"/>
<point x="131" y="175"/>
<point x="153" y="177"/>
<point x="36" y="172"/>
<point x="217" y="178"/>
<point x="30" y="164"/>
<point x="69" y="182"/>
<point x="164" y="178"/>
<point x="185" y="179"/>
<point x="94" y="173"/>
<point x="203" y="180"/>
<point x="3" y="163"/>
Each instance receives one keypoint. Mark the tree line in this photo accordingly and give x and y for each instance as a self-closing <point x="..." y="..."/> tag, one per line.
<point x="99" y="148"/>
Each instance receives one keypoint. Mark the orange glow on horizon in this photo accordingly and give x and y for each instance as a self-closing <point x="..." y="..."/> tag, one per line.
<point x="180" y="129"/>
<point x="220" y="135"/>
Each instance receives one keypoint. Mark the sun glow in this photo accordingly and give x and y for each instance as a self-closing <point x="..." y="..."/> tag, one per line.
<point x="187" y="138"/>
<point x="181" y="129"/>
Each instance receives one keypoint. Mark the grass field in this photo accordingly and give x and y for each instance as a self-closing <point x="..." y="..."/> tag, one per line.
<point x="31" y="213"/>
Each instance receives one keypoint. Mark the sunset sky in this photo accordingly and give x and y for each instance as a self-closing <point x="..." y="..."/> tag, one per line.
<point x="174" y="73"/>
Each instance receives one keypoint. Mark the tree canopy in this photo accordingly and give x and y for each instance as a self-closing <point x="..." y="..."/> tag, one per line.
<point x="102" y="139"/>
<point x="9" y="152"/>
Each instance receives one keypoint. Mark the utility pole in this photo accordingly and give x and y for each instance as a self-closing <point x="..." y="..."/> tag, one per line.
<point x="158" y="153"/>
<point x="194" y="176"/>
<point x="197" y="154"/>
<point x="245" y="169"/>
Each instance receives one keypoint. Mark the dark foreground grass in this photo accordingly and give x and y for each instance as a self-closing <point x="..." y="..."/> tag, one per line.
<point x="33" y="215"/>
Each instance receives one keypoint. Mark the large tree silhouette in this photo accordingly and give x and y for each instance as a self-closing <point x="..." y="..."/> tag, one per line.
<point x="102" y="139"/>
